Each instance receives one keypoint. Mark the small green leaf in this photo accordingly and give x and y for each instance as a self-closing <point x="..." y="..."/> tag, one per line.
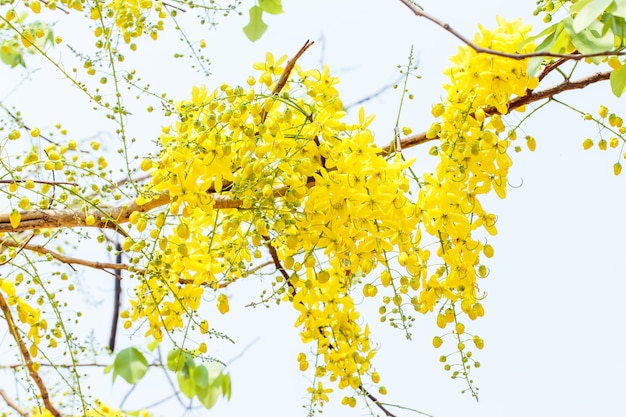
<point x="271" y="6"/>
<point x="208" y="396"/>
<point x="130" y="364"/>
<point x="588" y="11"/>
<point x="187" y="385"/>
<point x="618" y="8"/>
<point x="226" y="386"/>
<point x="11" y="54"/>
<point x="153" y="345"/>
<point x="178" y="360"/>
<point x="255" y="29"/>
<point x="200" y="376"/>
<point x="618" y="81"/>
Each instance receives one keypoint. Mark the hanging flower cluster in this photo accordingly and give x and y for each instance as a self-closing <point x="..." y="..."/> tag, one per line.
<point x="272" y="170"/>
<point x="473" y="161"/>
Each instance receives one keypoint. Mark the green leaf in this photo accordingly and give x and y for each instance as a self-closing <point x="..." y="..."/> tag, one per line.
<point x="226" y="386"/>
<point x="200" y="376"/>
<point x="588" y="11"/>
<point x="11" y="54"/>
<point x="618" y="81"/>
<point x="187" y="385"/>
<point x="255" y="29"/>
<point x="178" y="360"/>
<point x="591" y="40"/>
<point x="208" y="396"/>
<point x="153" y="345"/>
<point x="130" y="364"/>
<point x="271" y="6"/>
<point x="618" y="8"/>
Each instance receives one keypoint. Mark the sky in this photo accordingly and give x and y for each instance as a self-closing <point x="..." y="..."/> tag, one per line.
<point x="552" y="328"/>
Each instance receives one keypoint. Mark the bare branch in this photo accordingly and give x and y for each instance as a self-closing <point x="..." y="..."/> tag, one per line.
<point x="28" y="361"/>
<point x="289" y="67"/>
<point x="66" y="259"/>
<point x="479" y="49"/>
<point x="12" y="404"/>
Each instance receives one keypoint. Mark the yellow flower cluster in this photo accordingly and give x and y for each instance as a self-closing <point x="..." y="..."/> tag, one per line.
<point x="614" y="125"/>
<point x="473" y="161"/>
<point x="26" y="314"/>
<point x="130" y="17"/>
<point x="318" y="191"/>
<point x="275" y="170"/>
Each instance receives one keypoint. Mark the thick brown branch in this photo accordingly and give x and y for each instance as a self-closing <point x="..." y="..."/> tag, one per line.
<point x="28" y="361"/>
<point x="105" y="218"/>
<point x="479" y="49"/>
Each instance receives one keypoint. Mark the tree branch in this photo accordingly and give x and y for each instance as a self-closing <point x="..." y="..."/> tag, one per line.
<point x="530" y="97"/>
<point x="479" y="49"/>
<point x="28" y="361"/>
<point x="112" y="218"/>
<point x="12" y="404"/>
<point x="66" y="259"/>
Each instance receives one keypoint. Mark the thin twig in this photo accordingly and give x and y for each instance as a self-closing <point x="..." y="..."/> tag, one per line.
<point x="376" y="401"/>
<point x="289" y="67"/>
<point x="67" y="259"/>
<point x="28" y="361"/>
<point x="479" y="49"/>
<point x="12" y="404"/>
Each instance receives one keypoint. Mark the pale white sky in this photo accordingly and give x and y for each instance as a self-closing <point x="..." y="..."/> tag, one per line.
<point x="553" y="323"/>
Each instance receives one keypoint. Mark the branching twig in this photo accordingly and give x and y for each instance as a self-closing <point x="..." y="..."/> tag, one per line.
<point x="479" y="49"/>
<point x="28" y="361"/>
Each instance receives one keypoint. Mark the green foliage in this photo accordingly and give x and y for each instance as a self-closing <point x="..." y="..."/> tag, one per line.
<point x="37" y="36"/>
<point x="130" y="364"/>
<point x="256" y="27"/>
<point x="205" y="381"/>
<point x="11" y="53"/>
<point x="618" y="81"/>
<point x="588" y="12"/>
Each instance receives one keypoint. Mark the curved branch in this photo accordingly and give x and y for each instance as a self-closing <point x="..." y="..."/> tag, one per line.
<point x="515" y="103"/>
<point x="112" y="218"/>
<point x="479" y="49"/>
<point x="12" y="404"/>
<point x="28" y="361"/>
<point x="67" y="259"/>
